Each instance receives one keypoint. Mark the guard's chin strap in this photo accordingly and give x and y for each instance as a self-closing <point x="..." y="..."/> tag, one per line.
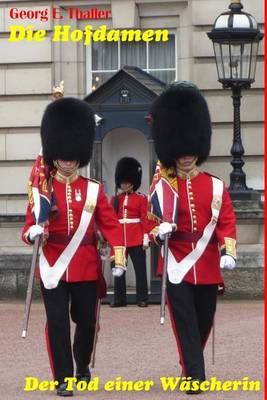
<point x="187" y="175"/>
<point x="62" y="172"/>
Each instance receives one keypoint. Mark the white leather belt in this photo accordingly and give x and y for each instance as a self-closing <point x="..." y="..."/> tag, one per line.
<point x="129" y="220"/>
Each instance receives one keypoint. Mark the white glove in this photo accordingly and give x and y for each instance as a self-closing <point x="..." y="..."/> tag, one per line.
<point x="117" y="271"/>
<point x="34" y="231"/>
<point x="227" y="262"/>
<point x="164" y="229"/>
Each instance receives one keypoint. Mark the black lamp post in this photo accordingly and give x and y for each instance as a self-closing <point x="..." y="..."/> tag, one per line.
<point x="236" y="36"/>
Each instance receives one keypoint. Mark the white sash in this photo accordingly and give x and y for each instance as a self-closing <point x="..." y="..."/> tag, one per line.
<point x="177" y="270"/>
<point x="51" y="275"/>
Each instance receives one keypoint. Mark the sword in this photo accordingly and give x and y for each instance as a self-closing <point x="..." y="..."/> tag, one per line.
<point x="97" y="325"/>
<point x="30" y="287"/>
<point x="96" y="332"/>
<point x="164" y="280"/>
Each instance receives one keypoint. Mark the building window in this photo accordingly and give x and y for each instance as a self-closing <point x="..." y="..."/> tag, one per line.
<point x="106" y="58"/>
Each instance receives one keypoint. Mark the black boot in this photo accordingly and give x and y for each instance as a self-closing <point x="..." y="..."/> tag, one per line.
<point x="62" y="390"/>
<point x="142" y="304"/>
<point x="84" y="376"/>
<point x="118" y="304"/>
<point x="194" y="387"/>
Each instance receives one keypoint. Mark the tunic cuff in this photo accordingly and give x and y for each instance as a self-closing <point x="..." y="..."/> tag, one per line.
<point x="229" y="247"/>
<point x="119" y="256"/>
<point x="155" y="236"/>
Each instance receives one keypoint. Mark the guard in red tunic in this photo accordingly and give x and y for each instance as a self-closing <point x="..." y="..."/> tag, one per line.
<point x="131" y="209"/>
<point x="202" y="238"/>
<point x="69" y="261"/>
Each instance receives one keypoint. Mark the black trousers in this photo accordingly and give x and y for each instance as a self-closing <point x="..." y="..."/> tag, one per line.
<point x="138" y="257"/>
<point x="192" y="309"/>
<point x="78" y="300"/>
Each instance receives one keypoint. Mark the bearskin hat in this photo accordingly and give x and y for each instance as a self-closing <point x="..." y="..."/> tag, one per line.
<point x="67" y="131"/>
<point x="128" y="169"/>
<point x="181" y="124"/>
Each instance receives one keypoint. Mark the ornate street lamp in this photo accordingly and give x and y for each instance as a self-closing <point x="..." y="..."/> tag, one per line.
<point x="236" y="36"/>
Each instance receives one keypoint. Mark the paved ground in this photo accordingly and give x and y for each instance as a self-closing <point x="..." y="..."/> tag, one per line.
<point x="133" y="345"/>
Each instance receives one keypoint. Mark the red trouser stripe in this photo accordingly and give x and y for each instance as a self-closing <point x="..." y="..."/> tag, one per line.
<point x="176" y="336"/>
<point x="50" y="356"/>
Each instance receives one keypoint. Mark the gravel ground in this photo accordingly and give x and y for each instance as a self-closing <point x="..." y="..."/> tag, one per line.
<point x="132" y="345"/>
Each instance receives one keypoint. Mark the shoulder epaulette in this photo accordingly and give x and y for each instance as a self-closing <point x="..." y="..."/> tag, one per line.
<point x="214" y="176"/>
<point x="94" y="180"/>
<point x="141" y="194"/>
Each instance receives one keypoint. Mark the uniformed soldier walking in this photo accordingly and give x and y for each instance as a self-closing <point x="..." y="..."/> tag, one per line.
<point x="69" y="262"/>
<point x="203" y="236"/>
<point x="131" y="209"/>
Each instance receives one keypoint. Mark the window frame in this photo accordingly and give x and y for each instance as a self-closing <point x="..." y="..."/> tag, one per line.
<point x="90" y="72"/>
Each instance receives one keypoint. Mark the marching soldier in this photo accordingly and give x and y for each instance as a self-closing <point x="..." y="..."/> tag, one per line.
<point x="131" y="209"/>
<point x="202" y="238"/>
<point x="69" y="263"/>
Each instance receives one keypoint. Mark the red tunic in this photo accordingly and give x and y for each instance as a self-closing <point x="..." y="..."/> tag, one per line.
<point x="70" y="201"/>
<point x="194" y="213"/>
<point x="132" y="206"/>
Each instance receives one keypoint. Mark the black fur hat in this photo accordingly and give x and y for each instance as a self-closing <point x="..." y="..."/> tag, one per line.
<point x="181" y="124"/>
<point x="67" y="131"/>
<point x="128" y="169"/>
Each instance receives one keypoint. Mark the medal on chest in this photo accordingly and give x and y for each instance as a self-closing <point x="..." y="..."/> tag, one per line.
<point x="78" y="195"/>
